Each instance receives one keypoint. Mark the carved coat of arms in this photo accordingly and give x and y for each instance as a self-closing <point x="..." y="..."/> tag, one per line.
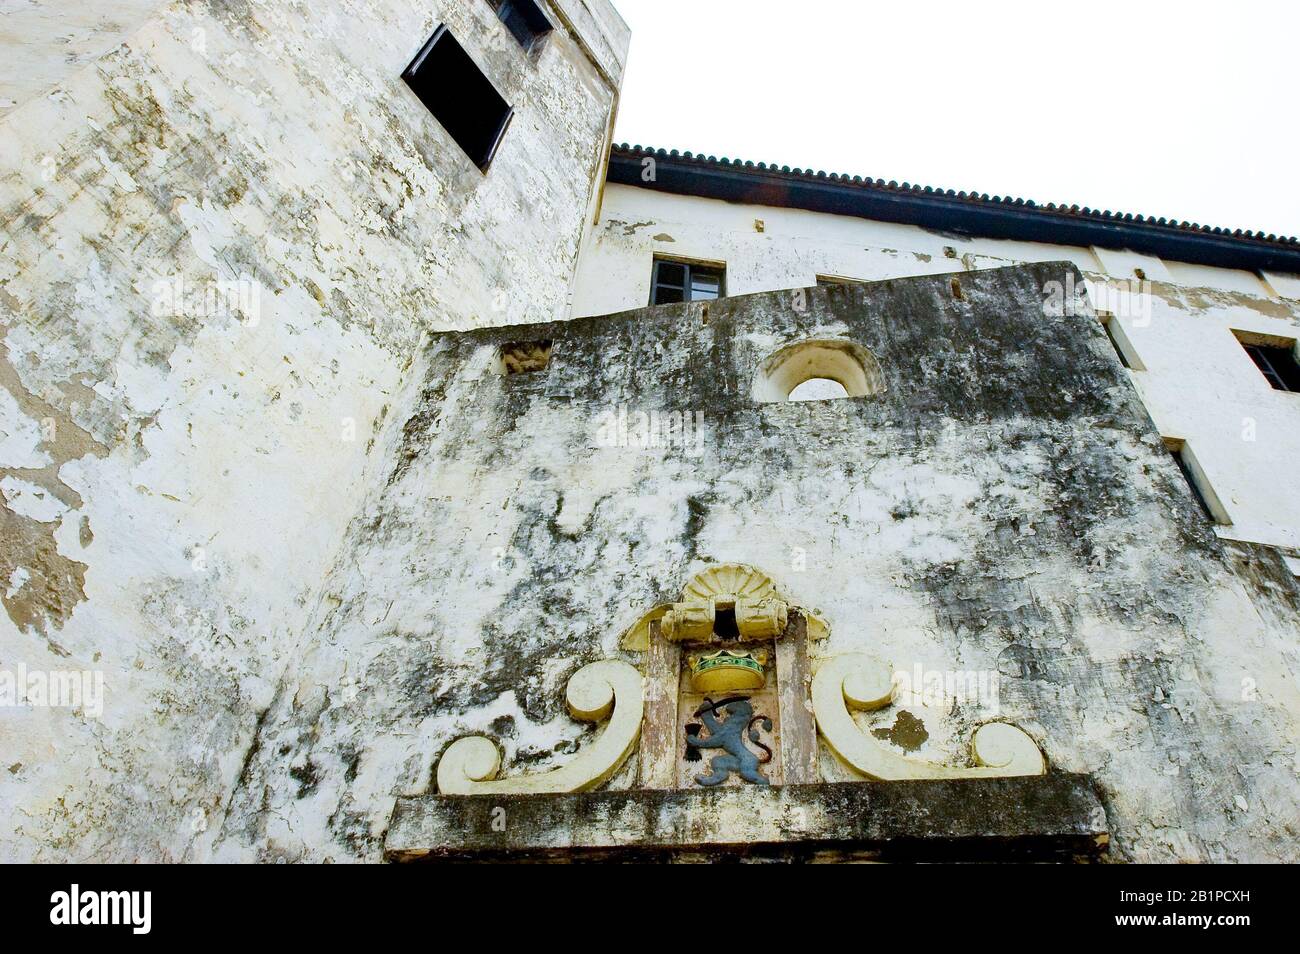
<point x="730" y="692"/>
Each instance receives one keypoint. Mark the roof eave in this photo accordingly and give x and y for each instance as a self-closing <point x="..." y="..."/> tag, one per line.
<point x="941" y="212"/>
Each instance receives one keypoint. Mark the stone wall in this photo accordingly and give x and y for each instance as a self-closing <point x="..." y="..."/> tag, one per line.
<point x="178" y="470"/>
<point x="310" y="538"/>
<point x="1195" y="379"/>
<point x="1004" y="505"/>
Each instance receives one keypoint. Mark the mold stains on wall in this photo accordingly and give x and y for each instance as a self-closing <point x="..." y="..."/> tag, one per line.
<point x="418" y="429"/>
<point x="1212" y="300"/>
<point x="908" y="732"/>
<point x="218" y="460"/>
<point x="1003" y="504"/>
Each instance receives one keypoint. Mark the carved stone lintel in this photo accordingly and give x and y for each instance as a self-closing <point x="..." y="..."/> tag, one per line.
<point x="1051" y="817"/>
<point x="689" y="622"/>
<point x="764" y="619"/>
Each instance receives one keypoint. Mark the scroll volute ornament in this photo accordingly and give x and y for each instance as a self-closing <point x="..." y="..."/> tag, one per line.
<point x="614" y="690"/>
<point x="608" y="689"/>
<point x="855" y="681"/>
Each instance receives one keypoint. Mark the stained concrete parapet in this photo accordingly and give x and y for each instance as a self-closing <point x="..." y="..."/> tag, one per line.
<point x="1055" y="816"/>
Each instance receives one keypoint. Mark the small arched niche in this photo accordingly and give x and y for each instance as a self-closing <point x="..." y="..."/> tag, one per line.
<point x="809" y="371"/>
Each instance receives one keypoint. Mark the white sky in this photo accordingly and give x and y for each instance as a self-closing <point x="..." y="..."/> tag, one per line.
<point x="1183" y="110"/>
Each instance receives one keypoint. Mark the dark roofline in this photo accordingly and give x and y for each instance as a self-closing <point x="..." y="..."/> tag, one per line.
<point x="948" y="211"/>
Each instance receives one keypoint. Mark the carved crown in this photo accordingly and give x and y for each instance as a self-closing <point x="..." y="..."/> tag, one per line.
<point x="728" y="670"/>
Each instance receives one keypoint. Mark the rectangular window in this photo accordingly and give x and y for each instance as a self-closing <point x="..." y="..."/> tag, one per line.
<point x="1197" y="482"/>
<point x="1275" y="357"/>
<point x="673" y="282"/>
<point x="525" y="21"/>
<point x="460" y="97"/>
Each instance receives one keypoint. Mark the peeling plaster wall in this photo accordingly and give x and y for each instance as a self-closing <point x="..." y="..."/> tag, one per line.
<point x="1198" y="383"/>
<point x="1005" y="505"/>
<point x="177" y="481"/>
<point x="307" y="545"/>
<point x="42" y="42"/>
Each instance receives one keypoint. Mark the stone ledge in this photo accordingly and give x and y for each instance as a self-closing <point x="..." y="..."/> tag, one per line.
<point x="1054" y="816"/>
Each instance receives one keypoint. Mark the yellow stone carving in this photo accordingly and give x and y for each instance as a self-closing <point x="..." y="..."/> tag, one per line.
<point x="637" y="639"/>
<point x="761" y="620"/>
<point x="857" y="681"/>
<point x="734" y="580"/>
<point x="760" y="611"/>
<point x="693" y="621"/>
<point x="608" y="689"/>
<point x="818" y="628"/>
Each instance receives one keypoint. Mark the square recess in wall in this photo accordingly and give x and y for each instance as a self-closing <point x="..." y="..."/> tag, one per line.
<point x="524" y="357"/>
<point x="460" y="97"/>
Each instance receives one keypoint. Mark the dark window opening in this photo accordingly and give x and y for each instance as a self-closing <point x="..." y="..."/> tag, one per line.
<point x="522" y="357"/>
<point x="1275" y="359"/>
<point x="460" y="97"/>
<point x="525" y="21"/>
<point x="673" y="282"/>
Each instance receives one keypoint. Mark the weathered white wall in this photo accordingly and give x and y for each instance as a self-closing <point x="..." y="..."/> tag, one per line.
<point x="1199" y="385"/>
<point x="43" y="42"/>
<point x="973" y="515"/>
<point x="177" y="487"/>
<point x="307" y="551"/>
